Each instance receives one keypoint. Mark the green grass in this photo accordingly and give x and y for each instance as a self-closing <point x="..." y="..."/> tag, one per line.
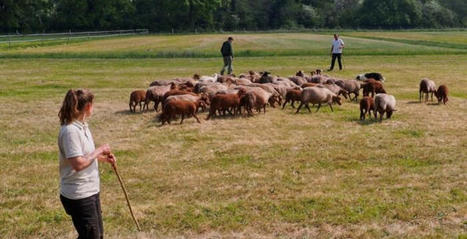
<point x="245" y="45"/>
<point x="323" y="174"/>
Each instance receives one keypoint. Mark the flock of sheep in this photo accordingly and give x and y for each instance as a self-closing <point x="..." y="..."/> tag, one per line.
<point x="253" y="91"/>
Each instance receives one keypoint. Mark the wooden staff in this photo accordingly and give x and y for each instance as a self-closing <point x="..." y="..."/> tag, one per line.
<point x="126" y="195"/>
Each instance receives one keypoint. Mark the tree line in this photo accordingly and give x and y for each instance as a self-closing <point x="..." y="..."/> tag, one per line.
<point x="32" y="16"/>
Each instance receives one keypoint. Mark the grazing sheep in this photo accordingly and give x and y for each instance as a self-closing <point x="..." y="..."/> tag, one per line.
<point x="260" y="92"/>
<point x="201" y="101"/>
<point x="178" y="107"/>
<point x="250" y="100"/>
<point x="308" y="84"/>
<point x="298" y="80"/>
<point x="351" y="86"/>
<point x="318" y="95"/>
<point x="177" y="92"/>
<point x="374" y="75"/>
<point x="269" y="87"/>
<point x="372" y="86"/>
<point x="442" y="94"/>
<point x="336" y="89"/>
<point x="427" y="86"/>
<point x="209" y="88"/>
<point x="156" y="94"/>
<point x="367" y="104"/>
<point x="384" y="103"/>
<point x="266" y="78"/>
<point x="225" y="102"/>
<point x="292" y="96"/>
<point x="137" y="97"/>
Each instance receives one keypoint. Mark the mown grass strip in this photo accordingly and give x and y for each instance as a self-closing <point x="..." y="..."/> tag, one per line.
<point x="415" y="42"/>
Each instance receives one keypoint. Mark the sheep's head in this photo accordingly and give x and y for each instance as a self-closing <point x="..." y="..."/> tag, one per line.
<point x="173" y="86"/>
<point x="360" y="77"/>
<point x="318" y="71"/>
<point x="196" y="76"/>
<point x="343" y="93"/>
<point x="336" y="99"/>
<point x="241" y="92"/>
<point x="300" y="73"/>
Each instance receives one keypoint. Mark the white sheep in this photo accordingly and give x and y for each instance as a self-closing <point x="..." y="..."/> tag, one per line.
<point x="318" y="95"/>
<point x="384" y="103"/>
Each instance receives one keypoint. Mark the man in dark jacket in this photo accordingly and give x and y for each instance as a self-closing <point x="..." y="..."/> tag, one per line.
<point x="227" y="54"/>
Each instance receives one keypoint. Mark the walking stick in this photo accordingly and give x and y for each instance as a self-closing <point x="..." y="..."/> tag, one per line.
<point x="126" y="195"/>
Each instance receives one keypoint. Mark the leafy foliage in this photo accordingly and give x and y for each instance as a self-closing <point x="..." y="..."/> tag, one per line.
<point x="209" y="15"/>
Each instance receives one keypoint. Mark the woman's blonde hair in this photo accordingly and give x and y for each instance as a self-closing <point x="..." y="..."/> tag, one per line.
<point x="73" y="104"/>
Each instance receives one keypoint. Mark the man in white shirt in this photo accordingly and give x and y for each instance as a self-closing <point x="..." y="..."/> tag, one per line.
<point x="336" y="51"/>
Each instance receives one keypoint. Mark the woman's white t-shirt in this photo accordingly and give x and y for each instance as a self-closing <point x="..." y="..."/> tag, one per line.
<point x="75" y="140"/>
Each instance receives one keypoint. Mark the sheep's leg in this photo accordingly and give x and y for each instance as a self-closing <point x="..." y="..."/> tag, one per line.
<point x="293" y="102"/>
<point x="330" y="105"/>
<point x="264" y="108"/>
<point x="319" y="106"/>
<point x="196" y="117"/>
<point x="389" y="114"/>
<point x="130" y="107"/>
<point x="308" y="107"/>
<point x="140" y="106"/>
<point x="432" y="96"/>
<point x="381" y="116"/>
<point x="156" y="105"/>
<point x="183" y="117"/>
<point x="299" y="107"/>
<point x="420" y="95"/>
<point x="285" y="102"/>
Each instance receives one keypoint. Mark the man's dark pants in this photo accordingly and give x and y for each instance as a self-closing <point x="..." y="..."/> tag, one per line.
<point x="86" y="216"/>
<point x="334" y="56"/>
<point x="227" y="64"/>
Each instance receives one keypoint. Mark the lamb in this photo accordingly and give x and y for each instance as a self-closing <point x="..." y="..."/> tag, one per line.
<point x="225" y="102"/>
<point x="373" y="75"/>
<point x="265" y="96"/>
<point x="318" y="95"/>
<point x="156" y="94"/>
<point x="351" y="86"/>
<point x="367" y="104"/>
<point x="292" y="96"/>
<point x="442" y="94"/>
<point x="178" y="107"/>
<point x="137" y="97"/>
<point x="427" y="86"/>
<point x="384" y="103"/>
<point x="372" y="86"/>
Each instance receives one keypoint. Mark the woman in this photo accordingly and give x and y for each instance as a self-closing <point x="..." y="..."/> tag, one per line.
<point x="79" y="174"/>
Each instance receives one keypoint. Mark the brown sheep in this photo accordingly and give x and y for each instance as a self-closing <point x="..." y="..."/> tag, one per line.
<point x="367" y="104"/>
<point x="178" y="107"/>
<point x="292" y="96"/>
<point x="137" y="97"/>
<point x="442" y="94"/>
<point x="225" y="102"/>
<point x="372" y="86"/>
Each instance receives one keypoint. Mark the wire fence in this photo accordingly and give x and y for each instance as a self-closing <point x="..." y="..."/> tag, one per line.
<point x="66" y="36"/>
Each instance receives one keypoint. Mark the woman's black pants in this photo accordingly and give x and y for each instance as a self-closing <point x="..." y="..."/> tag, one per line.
<point x="86" y="216"/>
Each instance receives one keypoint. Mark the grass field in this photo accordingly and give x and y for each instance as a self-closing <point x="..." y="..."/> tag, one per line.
<point x="316" y="175"/>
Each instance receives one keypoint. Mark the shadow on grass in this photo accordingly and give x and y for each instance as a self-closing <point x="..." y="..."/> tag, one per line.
<point x="414" y="102"/>
<point x="433" y="104"/>
<point x="128" y="112"/>
<point x="365" y="122"/>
